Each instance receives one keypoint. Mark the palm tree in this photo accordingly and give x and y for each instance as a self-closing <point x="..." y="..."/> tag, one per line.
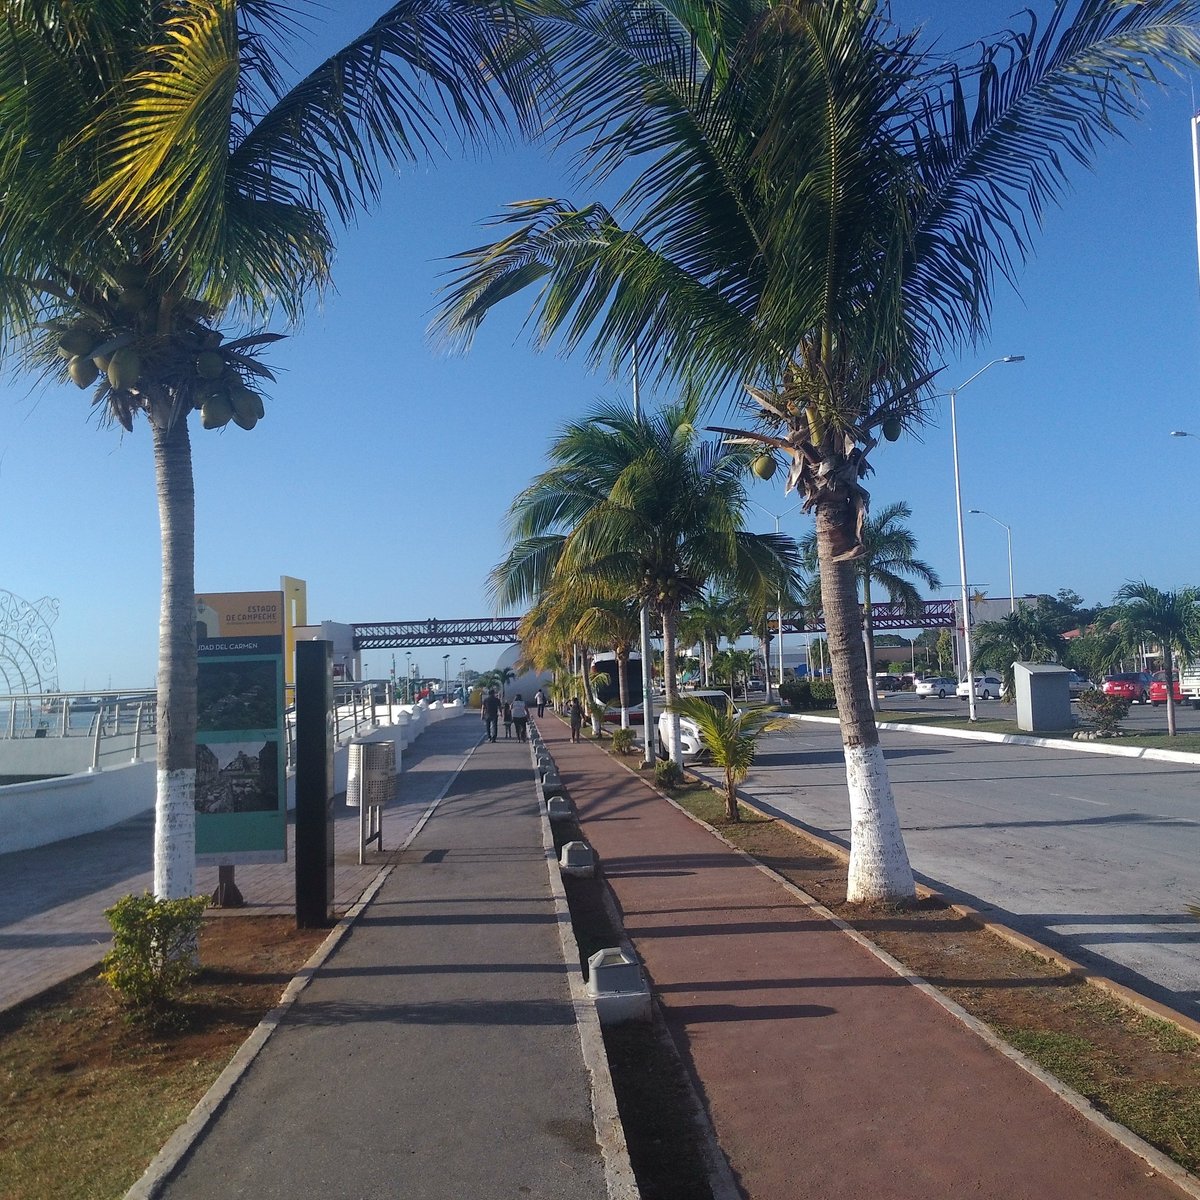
<point x="644" y="507"/>
<point x="731" y="739"/>
<point x="615" y="624"/>
<point x="1172" y="619"/>
<point x="817" y="206"/>
<point x="159" y="177"/>
<point x="888" y="555"/>
<point x="1027" y="635"/>
<point x="705" y="621"/>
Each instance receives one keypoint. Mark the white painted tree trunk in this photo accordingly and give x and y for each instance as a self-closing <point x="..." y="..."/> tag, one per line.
<point x="670" y="685"/>
<point x="174" y="810"/>
<point x="879" y="867"/>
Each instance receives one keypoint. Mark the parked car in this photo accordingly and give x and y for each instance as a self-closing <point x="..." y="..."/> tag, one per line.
<point x="937" y="686"/>
<point x="756" y="685"/>
<point x="691" y="745"/>
<point x="1133" y="686"/>
<point x="1077" y="684"/>
<point x="1158" y="688"/>
<point x="889" y="683"/>
<point x="987" y="687"/>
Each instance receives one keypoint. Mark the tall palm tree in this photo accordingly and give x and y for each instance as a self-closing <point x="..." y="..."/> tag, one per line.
<point x="888" y="556"/>
<point x="644" y="507"/>
<point x="614" y="623"/>
<point x="1171" y="619"/>
<point x="160" y="176"/>
<point x="817" y="206"/>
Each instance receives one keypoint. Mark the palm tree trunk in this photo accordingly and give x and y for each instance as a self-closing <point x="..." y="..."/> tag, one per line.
<point x="623" y="684"/>
<point x="879" y="867"/>
<point x="869" y="643"/>
<point x="175" y="809"/>
<point x="670" y="687"/>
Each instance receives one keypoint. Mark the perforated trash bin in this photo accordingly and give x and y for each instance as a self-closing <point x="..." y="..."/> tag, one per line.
<point x="372" y="773"/>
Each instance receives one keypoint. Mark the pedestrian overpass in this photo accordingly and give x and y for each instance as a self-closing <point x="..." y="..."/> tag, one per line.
<point x="485" y="631"/>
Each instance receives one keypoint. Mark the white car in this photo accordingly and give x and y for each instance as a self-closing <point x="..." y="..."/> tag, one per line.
<point x="987" y="687"/>
<point x="691" y="746"/>
<point x="937" y="686"/>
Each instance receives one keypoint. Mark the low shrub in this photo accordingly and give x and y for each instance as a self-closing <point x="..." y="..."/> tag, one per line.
<point x="667" y="775"/>
<point x="804" y="695"/>
<point x="622" y="741"/>
<point x="1105" y="712"/>
<point x="154" y="947"/>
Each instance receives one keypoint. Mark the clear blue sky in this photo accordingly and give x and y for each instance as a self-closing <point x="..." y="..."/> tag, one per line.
<point x="383" y="469"/>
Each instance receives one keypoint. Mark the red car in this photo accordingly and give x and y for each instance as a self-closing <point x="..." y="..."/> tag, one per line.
<point x="1133" y="686"/>
<point x="1158" y="688"/>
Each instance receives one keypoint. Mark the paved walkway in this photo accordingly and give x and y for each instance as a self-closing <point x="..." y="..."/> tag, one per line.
<point x="52" y="898"/>
<point x="435" y="1055"/>
<point x="825" y="1074"/>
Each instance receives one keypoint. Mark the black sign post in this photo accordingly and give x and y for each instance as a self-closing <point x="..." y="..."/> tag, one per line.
<point x="314" y="785"/>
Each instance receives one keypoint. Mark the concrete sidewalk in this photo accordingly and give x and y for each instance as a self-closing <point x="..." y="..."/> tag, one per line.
<point x="435" y="1054"/>
<point x="52" y="898"/>
<point x="824" y="1072"/>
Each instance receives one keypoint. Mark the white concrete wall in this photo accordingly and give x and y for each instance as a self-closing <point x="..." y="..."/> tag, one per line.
<point x="35" y="814"/>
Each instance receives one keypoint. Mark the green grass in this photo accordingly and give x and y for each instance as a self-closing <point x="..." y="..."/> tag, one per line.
<point x="1144" y="739"/>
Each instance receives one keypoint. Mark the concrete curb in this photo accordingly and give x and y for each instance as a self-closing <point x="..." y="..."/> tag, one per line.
<point x="179" y="1145"/>
<point x="619" y="1178"/>
<point x="1154" y="1158"/>
<point x="1023" y="739"/>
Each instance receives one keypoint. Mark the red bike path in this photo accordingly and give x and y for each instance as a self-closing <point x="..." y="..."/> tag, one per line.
<point x="826" y="1075"/>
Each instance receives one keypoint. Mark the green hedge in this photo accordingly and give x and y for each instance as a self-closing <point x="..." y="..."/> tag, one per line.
<point x="804" y="695"/>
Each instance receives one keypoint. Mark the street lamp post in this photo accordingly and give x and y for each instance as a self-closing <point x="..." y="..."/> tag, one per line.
<point x="445" y="676"/>
<point x="776" y="517"/>
<point x="962" y="545"/>
<point x="408" y="677"/>
<point x="1012" y="595"/>
<point x="1183" y="433"/>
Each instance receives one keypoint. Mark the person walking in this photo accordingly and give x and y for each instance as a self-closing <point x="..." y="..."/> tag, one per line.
<point x="508" y="720"/>
<point x="490" y="711"/>
<point x="520" y="716"/>
<point x="539" y="698"/>
<point x="575" y="716"/>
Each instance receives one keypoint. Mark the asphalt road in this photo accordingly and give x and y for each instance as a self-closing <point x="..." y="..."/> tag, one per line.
<point x="1094" y="854"/>
<point x="1142" y="717"/>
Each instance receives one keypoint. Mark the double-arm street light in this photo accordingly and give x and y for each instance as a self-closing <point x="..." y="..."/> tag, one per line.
<point x="1012" y="595"/>
<point x="1183" y="433"/>
<point x="962" y="546"/>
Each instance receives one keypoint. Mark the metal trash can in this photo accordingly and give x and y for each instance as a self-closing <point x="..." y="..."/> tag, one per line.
<point x="372" y="773"/>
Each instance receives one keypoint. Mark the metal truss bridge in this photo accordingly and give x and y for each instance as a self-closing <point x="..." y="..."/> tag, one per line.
<point x="491" y="631"/>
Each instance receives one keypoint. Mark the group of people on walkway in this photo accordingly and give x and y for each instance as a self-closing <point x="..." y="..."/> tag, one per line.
<point x="513" y="713"/>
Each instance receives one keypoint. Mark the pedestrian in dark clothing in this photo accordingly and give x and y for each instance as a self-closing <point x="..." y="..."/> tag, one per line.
<point x="575" y="716"/>
<point x="540" y="700"/>
<point x="520" y="716"/>
<point x="490" y="714"/>
<point x="508" y="718"/>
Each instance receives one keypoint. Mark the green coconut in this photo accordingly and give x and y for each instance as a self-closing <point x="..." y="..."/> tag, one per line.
<point x="124" y="367"/>
<point x="892" y="428"/>
<point x="101" y="361"/>
<point x="83" y="371"/>
<point x="246" y="403"/>
<point x="209" y="364"/>
<point x="79" y="340"/>
<point x="245" y="420"/>
<point x="216" y="412"/>
<point x="763" y="466"/>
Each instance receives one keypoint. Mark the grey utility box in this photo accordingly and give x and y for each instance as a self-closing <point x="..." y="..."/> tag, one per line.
<point x="1043" y="697"/>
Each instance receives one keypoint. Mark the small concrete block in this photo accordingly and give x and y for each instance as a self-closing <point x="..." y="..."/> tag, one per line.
<point x="577" y="859"/>
<point x="558" y="808"/>
<point x="551" y="780"/>
<point x="618" y="987"/>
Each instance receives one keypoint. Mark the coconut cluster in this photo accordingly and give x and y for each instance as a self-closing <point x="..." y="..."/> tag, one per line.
<point x="115" y="343"/>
